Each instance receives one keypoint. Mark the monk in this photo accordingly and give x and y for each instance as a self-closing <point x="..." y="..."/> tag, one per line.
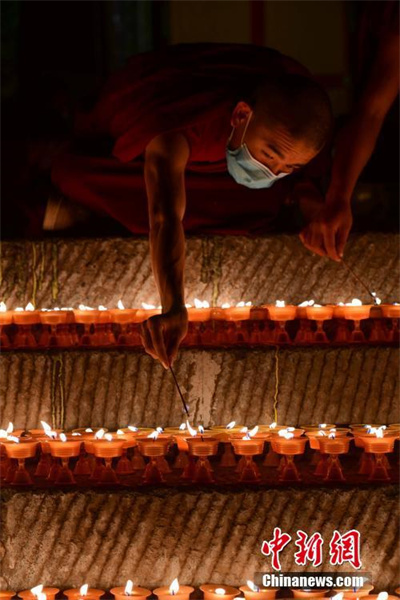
<point x="197" y="109"/>
<point x="378" y="60"/>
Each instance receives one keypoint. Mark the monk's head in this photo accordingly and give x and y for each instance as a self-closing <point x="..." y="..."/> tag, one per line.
<point x="285" y="123"/>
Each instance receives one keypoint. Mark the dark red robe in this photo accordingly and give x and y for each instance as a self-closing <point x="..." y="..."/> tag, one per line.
<point x="187" y="88"/>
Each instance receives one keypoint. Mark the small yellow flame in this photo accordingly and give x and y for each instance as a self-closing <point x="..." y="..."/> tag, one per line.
<point x="37" y="589"/>
<point x="252" y="586"/>
<point x="192" y="431"/>
<point x="83" y="589"/>
<point x="174" y="587"/>
<point x="129" y="587"/>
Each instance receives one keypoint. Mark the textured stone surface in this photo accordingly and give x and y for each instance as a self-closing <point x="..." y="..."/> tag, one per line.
<point x="65" y="539"/>
<point x="110" y="388"/>
<point x="219" y="269"/>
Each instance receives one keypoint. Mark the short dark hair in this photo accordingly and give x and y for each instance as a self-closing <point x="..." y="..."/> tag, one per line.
<point x="298" y="103"/>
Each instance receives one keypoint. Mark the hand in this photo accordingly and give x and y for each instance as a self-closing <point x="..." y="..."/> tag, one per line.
<point x="162" y="334"/>
<point x="327" y="233"/>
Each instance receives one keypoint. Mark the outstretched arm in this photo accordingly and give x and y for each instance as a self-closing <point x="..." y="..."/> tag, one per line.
<point x="327" y="233"/>
<point x="165" y="161"/>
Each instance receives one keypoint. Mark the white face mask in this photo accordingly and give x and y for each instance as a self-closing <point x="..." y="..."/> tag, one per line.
<point x="247" y="170"/>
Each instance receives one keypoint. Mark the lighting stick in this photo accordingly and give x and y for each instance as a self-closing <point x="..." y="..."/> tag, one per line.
<point x="360" y="281"/>
<point x="179" y="391"/>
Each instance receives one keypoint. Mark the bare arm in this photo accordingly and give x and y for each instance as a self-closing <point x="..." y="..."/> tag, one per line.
<point x="165" y="161"/>
<point x="328" y="232"/>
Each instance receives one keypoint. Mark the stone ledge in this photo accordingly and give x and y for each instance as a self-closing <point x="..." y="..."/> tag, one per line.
<point x="116" y="389"/>
<point x="218" y="269"/>
<point x="199" y="536"/>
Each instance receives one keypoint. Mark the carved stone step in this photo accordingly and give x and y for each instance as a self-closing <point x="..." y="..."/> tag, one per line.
<point x="199" y="536"/>
<point x="218" y="269"/>
<point x="116" y="389"/>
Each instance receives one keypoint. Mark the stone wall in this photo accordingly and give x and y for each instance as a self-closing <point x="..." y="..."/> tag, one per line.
<point x="219" y="269"/>
<point x="111" y="388"/>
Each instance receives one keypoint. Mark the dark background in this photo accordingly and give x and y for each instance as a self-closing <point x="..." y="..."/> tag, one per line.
<point x="58" y="52"/>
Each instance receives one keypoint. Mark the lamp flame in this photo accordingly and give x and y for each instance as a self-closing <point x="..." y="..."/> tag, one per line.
<point x="89" y="430"/>
<point x="41" y="596"/>
<point x="3" y="307"/>
<point x="201" y="429"/>
<point x="148" y="306"/>
<point x="45" y="426"/>
<point x="12" y="438"/>
<point x="99" y="434"/>
<point x="120" y="305"/>
<point x="231" y="425"/>
<point x="273" y="425"/>
<point x="338" y="596"/>
<point x="246" y="437"/>
<point x="128" y="587"/>
<point x="383" y="596"/>
<point x="37" y="590"/>
<point x="29" y="306"/>
<point x="84" y="307"/>
<point x="63" y="437"/>
<point x="220" y="591"/>
<point x="174" y="587"/>
<point x="225" y="305"/>
<point x="192" y="431"/>
<point x="108" y="437"/>
<point x="322" y="426"/>
<point x="182" y="427"/>
<point x="120" y="432"/>
<point x="153" y="435"/>
<point x="280" y="304"/>
<point x="133" y="428"/>
<point x="253" y="431"/>
<point x="83" y="590"/>
<point x="252" y="586"/>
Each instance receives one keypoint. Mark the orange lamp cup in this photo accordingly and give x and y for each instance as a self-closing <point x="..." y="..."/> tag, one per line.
<point x="137" y="593"/>
<point x="202" y="447"/>
<point x="124" y="316"/>
<point x="49" y="591"/>
<point x="289" y="448"/>
<point x="281" y="314"/>
<point x="390" y="311"/>
<point x="91" y="594"/>
<point x="261" y="594"/>
<point x="248" y="448"/>
<point x="164" y="593"/>
<point x="350" y="594"/>
<point x="26" y="317"/>
<point x="20" y="451"/>
<point x="7" y="595"/>
<point x="334" y="447"/>
<point x="224" y="433"/>
<point x="314" y="593"/>
<point x="214" y="592"/>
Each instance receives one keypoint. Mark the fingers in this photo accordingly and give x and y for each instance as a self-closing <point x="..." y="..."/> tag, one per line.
<point x="329" y="243"/>
<point x="146" y="340"/>
<point x="341" y="239"/>
<point x="155" y="327"/>
<point x="313" y="241"/>
<point x="172" y="350"/>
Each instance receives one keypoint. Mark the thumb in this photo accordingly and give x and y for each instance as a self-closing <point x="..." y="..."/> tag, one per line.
<point x="341" y="239"/>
